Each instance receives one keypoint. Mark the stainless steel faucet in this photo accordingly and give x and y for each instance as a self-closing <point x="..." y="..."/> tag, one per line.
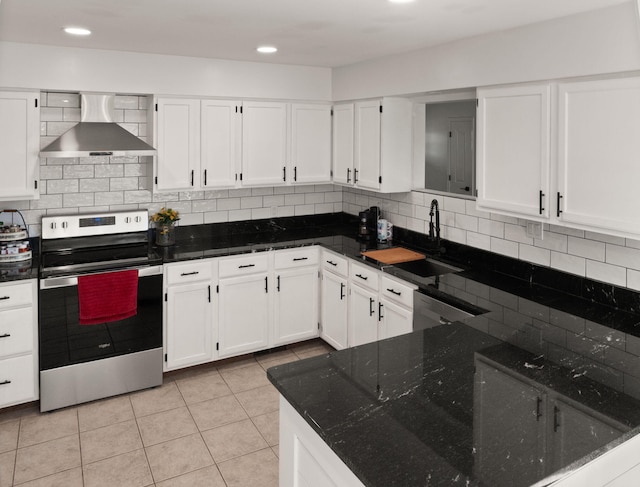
<point x="434" y="228"/>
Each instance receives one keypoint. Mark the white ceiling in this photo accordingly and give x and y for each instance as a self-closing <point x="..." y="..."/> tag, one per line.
<point x="308" y="32"/>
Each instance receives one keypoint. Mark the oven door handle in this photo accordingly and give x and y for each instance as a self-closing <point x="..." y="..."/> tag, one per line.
<point x="66" y="281"/>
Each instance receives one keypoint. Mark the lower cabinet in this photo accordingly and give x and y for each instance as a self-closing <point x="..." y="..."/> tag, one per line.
<point x="363" y="315"/>
<point x="334" y="313"/>
<point x="296" y="305"/>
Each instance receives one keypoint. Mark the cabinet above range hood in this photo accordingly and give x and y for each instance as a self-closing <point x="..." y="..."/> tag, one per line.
<point x="97" y="134"/>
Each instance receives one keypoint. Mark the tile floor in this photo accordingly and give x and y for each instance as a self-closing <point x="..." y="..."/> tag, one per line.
<point x="213" y="425"/>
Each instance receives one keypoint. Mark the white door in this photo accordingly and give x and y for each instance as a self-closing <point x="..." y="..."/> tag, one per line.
<point x="296" y="305"/>
<point x="599" y="154"/>
<point x="394" y="320"/>
<point x="512" y="156"/>
<point x="310" y="143"/>
<point x="178" y="144"/>
<point x="334" y="310"/>
<point x="189" y="325"/>
<point x="363" y="316"/>
<point x="343" y="143"/>
<point x="461" y="160"/>
<point x="19" y="145"/>
<point x="367" y="144"/>
<point x="244" y="308"/>
<point x="220" y="143"/>
<point x="264" y="143"/>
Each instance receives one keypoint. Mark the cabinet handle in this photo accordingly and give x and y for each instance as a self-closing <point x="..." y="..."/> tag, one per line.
<point x="559" y="210"/>
<point x="364" y="278"/>
<point x="332" y="263"/>
<point x="556" y="423"/>
<point x="355" y="176"/>
<point x="392" y="291"/>
<point x="4" y="298"/>
<point x="266" y="284"/>
<point x="295" y="173"/>
<point x="209" y="292"/>
<point x="194" y="273"/>
<point x="371" y="311"/>
<point x="380" y="315"/>
<point x="540" y="196"/>
<point x="341" y="291"/>
<point x="6" y="335"/>
<point x="278" y="284"/>
<point x="348" y="175"/>
<point x="205" y="177"/>
<point x="5" y="382"/>
<point x="245" y="266"/>
<point x="284" y="173"/>
<point x="538" y="408"/>
<point x="300" y="258"/>
<point x="192" y="171"/>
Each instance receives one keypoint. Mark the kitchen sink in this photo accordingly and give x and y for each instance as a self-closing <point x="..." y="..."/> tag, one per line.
<point x="427" y="267"/>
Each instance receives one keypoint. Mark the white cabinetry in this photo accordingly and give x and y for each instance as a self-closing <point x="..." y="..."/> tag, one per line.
<point x="381" y="149"/>
<point x="310" y="160"/>
<point x="512" y="160"/>
<point x="19" y="145"/>
<point x="220" y="143"/>
<point x="188" y="311"/>
<point x="333" y="297"/>
<point x="395" y="308"/>
<point x="18" y="342"/>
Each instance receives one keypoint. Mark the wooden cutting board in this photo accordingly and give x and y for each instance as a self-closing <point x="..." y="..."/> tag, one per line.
<point x="394" y="255"/>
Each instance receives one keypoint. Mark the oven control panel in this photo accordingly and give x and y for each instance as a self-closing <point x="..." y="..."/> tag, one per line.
<point x="94" y="224"/>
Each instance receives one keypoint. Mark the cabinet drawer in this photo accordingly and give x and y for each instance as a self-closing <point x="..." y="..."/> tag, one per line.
<point x="394" y="290"/>
<point x="247" y="264"/>
<point x="192" y="271"/>
<point x="286" y="259"/>
<point x="16" y="331"/>
<point x="335" y="263"/>
<point x="17" y="380"/>
<point x="364" y="276"/>
<point x="16" y="295"/>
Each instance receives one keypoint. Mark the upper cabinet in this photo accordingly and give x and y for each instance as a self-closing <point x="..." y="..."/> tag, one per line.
<point x="564" y="153"/>
<point x="19" y="145"/>
<point x="220" y="143"/>
<point x="310" y="160"/>
<point x="372" y="144"/>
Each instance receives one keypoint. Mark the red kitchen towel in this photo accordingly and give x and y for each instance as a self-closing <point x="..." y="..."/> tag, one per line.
<point x="108" y="297"/>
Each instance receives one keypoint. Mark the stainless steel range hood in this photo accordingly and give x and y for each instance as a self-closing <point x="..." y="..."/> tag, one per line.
<point x="97" y="134"/>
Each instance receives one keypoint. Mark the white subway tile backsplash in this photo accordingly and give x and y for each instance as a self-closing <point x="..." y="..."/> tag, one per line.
<point x="601" y="237"/>
<point x="260" y="213"/>
<point x="304" y="210"/>
<point x="623" y="256"/>
<point x="229" y="204"/>
<point x="600" y="271"/>
<point x="55" y="186"/>
<point x="109" y="171"/>
<point x="216" y="217"/>
<point x="294" y="199"/>
<point x="479" y="240"/>
<point x="490" y="227"/>
<point x="634" y="244"/>
<point x="535" y="255"/>
<point x="122" y="184"/>
<point x="93" y="185"/>
<point x="456" y="205"/>
<point x="239" y="215"/>
<point x="78" y="171"/>
<point x="261" y="191"/>
<point x="516" y="233"/>
<point x="50" y="172"/>
<point x="137" y="196"/>
<point x="58" y="128"/>
<point x="552" y="241"/>
<point x="63" y="100"/>
<point x="504" y="247"/>
<point x="470" y="209"/>
<point x="466" y="222"/>
<point x="313" y="198"/>
<point x="455" y="235"/>
<point x="633" y="279"/>
<point x="109" y="198"/>
<point x="568" y="263"/>
<point x="204" y="206"/>
<point x="78" y="199"/>
<point x="50" y="114"/>
<point x="589" y="249"/>
<point x="129" y="102"/>
<point x="251" y="202"/>
<point x="71" y="114"/>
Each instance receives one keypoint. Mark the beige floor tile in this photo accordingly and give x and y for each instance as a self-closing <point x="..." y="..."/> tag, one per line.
<point x="316" y="343"/>
<point x="47" y="458"/>
<point x="217" y="412"/>
<point x="68" y="478"/>
<point x="156" y="400"/>
<point x="269" y="427"/>
<point x="237" y="363"/>
<point x="205" y="477"/>
<point x="9" y="435"/>
<point x="177" y="457"/>
<point x="46" y="427"/>
<point x="105" y="412"/>
<point x="7" y="462"/>
<point x="167" y="425"/>
<point x="203" y="387"/>
<point x="258" y="468"/>
<point x="126" y="470"/>
<point x="233" y="440"/>
<point x="191" y="372"/>
<point x="276" y="451"/>
<point x="276" y="358"/>
<point x="245" y="378"/>
<point x="18" y="413"/>
<point x="259" y="401"/>
<point x="311" y="353"/>
<point x="109" y="441"/>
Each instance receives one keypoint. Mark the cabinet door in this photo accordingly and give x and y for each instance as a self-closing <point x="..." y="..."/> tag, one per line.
<point x="508" y="428"/>
<point x="296" y="305"/>
<point x="394" y="320"/>
<point x="363" y="316"/>
<point x="178" y="144"/>
<point x="220" y="143"/>
<point x="245" y="308"/>
<point x="513" y="150"/>
<point x="334" y="310"/>
<point x="264" y="143"/>
<point x="576" y="433"/>
<point x="19" y="145"/>
<point x="310" y="143"/>
<point x="343" y="143"/>
<point x="367" y="144"/>
<point x="599" y="150"/>
<point x="188" y="325"/>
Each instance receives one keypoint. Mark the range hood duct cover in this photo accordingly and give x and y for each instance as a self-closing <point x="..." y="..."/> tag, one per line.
<point x="97" y="134"/>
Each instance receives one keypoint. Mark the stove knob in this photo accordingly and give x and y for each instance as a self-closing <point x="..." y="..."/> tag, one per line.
<point x="127" y="219"/>
<point x="65" y="224"/>
<point x="53" y="225"/>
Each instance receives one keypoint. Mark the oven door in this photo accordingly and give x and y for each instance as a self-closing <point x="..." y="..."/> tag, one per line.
<point x="64" y="341"/>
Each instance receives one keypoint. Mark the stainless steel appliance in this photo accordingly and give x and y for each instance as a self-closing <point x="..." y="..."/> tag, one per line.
<point x="429" y="312"/>
<point x="109" y="356"/>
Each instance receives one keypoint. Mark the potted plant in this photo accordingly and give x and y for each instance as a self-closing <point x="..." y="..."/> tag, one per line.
<point x="165" y="223"/>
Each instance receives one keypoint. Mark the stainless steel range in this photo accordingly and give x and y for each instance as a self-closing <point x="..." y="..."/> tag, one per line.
<point x="100" y="308"/>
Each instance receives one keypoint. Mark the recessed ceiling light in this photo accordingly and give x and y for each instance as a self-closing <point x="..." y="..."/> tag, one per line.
<point x="77" y="31"/>
<point x="267" y="49"/>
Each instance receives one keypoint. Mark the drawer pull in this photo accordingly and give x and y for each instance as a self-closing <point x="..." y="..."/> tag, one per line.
<point x="371" y="310"/>
<point x="6" y="335"/>
<point x="245" y="266"/>
<point x="397" y="293"/>
<point x="300" y="258"/>
<point x="364" y="278"/>
<point x="5" y="382"/>
<point x="194" y="273"/>
<point x="4" y="298"/>
<point x="342" y="286"/>
<point x="332" y="263"/>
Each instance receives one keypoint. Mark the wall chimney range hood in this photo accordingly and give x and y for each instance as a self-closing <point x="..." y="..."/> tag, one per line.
<point x="97" y="134"/>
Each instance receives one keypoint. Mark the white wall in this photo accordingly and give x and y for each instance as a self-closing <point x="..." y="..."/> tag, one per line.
<point x="602" y="41"/>
<point x="40" y="67"/>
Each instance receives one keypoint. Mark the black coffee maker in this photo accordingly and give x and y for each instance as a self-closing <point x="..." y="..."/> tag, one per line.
<point x="368" y="225"/>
